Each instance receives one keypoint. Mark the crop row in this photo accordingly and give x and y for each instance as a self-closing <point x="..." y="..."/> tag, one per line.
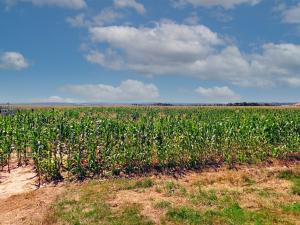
<point x="88" y="142"/>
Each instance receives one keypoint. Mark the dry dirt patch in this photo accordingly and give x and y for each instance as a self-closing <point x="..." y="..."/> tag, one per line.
<point x="146" y="198"/>
<point x="19" y="180"/>
<point x="24" y="202"/>
<point x="29" y="208"/>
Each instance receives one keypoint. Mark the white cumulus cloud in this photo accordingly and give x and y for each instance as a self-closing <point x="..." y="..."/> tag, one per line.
<point x="218" y="94"/>
<point x="130" y="4"/>
<point x="292" y="81"/>
<point x="72" y="4"/>
<point x="104" y="17"/>
<point x="292" y="15"/>
<point x="191" y="50"/>
<point x="226" y="4"/>
<point x="158" y="50"/>
<point x="129" y="90"/>
<point x="56" y="99"/>
<point x="13" y="61"/>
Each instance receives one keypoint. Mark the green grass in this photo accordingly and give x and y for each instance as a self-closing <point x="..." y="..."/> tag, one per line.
<point x="144" y="183"/>
<point x="93" y="203"/>
<point x="170" y="187"/>
<point x="292" y="208"/>
<point x="287" y="175"/>
<point x="207" y="198"/>
<point x="88" y="205"/>
<point x="158" y="189"/>
<point x="162" y="205"/>
<point x="294" y="177"/>
<point x="234" y="215"/>
<point x="173" y="188"/>
<point x="184" y="215"/>
<point x="129" y="216"/>
<point x="265" y="193"/>
<point x="248" y="181"/>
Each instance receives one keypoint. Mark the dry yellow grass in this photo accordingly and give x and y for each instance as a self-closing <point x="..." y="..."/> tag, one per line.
<point x="253" y="188"/>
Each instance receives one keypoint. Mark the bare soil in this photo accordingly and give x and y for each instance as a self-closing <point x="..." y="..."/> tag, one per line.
<point x="29" y="208"/>
<point x="24" y="201"/>
<point x="19" y="180"/>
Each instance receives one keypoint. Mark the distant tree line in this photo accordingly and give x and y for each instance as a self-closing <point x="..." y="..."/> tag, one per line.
<point x="213" y="104"/>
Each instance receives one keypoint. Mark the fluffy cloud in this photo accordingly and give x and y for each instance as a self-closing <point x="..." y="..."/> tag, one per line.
<point x="108" y="59"/>
<point x="158" y="50"/>
<point x="191" y="50"/>
<point x="72" y="4"/>
<point x="13" y="61"/>
<point x="193" y="19"/>
<point x="292" y="15"/>
<point x="78" y="20"/>
<point x="265" y="69"/>
<point x="218" y="94"/>
<point x="104" y="17"/>
<point x="130" y="4"/>
<point x="129" y="90"/>
<point x="226" y="4"/>
<point x="56" y="99"/>
<point x="292" y="82"/>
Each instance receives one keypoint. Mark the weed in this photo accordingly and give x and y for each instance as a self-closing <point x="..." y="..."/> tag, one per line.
<point x="162" y="205"/>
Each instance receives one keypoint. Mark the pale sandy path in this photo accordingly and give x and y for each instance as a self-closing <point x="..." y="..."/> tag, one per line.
<point x="19" y="180"/>
<point x="24" y="203"/>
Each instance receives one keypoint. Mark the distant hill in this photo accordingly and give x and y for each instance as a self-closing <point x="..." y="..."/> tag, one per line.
<point x="297" y="104"/>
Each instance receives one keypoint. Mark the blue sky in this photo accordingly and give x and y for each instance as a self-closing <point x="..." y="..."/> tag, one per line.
<point x="149" y="51"/>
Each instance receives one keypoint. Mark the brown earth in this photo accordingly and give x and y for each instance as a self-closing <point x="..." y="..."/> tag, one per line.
<point x="19" y="180"/>
<point x="29" y="208"/>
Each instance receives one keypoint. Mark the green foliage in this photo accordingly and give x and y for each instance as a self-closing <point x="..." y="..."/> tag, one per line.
<point x="89" y="142"/>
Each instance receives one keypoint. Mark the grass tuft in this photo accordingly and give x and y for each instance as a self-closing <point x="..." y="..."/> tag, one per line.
<point x="292" y="208"/>
<point x="294" y="177"/>
<point x="184" y="215"/>
<point x="287" y="175"/>
<point x="130" y="216"/>
<point x="207" y="198"/>
<point x="162" y="205"/>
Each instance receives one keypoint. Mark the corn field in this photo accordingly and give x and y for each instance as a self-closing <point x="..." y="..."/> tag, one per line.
<point x="87" y="142"/>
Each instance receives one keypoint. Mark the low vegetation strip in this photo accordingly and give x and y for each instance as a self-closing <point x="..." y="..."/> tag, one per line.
<point x="91" y="142"/>
<point x="172" y="201"/>
<point x="253" y="194"/>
